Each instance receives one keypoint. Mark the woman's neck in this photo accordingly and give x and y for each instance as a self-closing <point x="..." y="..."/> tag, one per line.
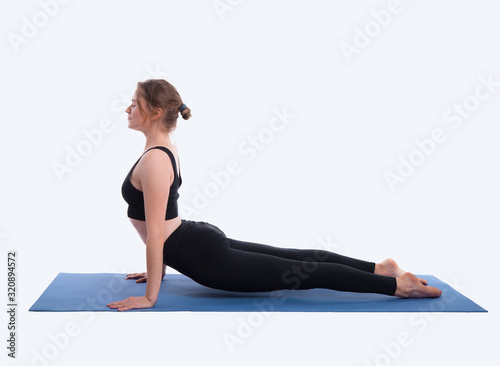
<point x="156" y="138"/>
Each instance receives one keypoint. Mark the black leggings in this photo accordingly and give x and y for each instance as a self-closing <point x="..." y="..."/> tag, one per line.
<point x="202" y="252"/>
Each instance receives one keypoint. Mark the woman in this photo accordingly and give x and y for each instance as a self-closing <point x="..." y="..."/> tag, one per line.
<point x="201" y="251"/>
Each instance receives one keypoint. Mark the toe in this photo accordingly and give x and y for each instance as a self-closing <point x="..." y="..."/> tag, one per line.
<point x="423" y="282"/>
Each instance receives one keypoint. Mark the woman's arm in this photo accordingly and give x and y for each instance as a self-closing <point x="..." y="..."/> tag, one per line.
<point x="155" y="175"/>
<point x="142" y="231"/>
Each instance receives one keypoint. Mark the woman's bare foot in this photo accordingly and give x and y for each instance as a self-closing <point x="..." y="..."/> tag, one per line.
<point x="409" y="286"/>
<point x="390" y="268"/>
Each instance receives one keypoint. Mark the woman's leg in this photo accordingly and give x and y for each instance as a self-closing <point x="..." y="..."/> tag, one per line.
<point x="234" y="269"/>
<point x="203" y="252"/>
<point x="310" y="255"/>
<point x="386" y="268"/>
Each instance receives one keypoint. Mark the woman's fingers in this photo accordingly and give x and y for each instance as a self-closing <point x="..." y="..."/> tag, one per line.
<point x="121" y="305"/>
<point x="139" y="277"/>
<point x="132" y="302"/>
<point x="131" y="276"/>
<point x="118" y="304"/>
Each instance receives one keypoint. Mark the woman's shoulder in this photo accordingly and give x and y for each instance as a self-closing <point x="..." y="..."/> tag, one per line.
<point x="155" y="162"/>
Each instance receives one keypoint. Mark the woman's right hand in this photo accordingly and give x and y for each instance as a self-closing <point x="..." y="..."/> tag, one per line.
<point x="140" y="277"/>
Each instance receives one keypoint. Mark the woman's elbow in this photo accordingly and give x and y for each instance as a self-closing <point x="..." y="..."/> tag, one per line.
<point x="154" y="238"/>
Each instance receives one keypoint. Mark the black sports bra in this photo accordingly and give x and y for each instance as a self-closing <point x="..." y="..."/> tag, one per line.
<point x="135" y="197"/>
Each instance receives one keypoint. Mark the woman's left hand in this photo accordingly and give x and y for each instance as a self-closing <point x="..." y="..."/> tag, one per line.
<point x="133" y="302"/>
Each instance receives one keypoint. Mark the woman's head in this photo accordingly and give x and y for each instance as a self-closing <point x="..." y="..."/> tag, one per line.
<point x="158" y="99"/>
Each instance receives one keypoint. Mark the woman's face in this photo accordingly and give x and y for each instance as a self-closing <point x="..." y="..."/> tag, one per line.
<point x="135" y="117"/>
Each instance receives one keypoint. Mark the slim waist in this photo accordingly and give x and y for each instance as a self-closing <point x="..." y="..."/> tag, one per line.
<point x="192" y="232"/>
<point x="177" y="233"/>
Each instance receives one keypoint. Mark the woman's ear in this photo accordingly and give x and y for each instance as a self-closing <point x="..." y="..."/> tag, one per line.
<point x="157" y="113"/>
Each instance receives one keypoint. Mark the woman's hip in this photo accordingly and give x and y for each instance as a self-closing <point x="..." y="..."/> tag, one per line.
<point x="193" y="243"/>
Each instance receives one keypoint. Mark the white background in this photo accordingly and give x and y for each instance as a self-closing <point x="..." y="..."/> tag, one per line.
<point x="320" y="177"/>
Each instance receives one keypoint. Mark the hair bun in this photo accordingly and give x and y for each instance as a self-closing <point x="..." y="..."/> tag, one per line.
<point x="185" y="111"/>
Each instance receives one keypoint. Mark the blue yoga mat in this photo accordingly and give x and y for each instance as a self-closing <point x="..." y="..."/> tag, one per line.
<point x="92" y="291"/>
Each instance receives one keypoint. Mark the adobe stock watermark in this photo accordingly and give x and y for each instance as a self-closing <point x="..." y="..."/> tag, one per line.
<point x="30" y="26"/>
<point x="58" y="341"/>
<point x="222" y="7"/>
<point x="247" y="324"/>
<point x="75" y="155"/>
<point x="2" y="237"/>
<point x="248" y="149"/>
<point x="95" y="136"/>
<point x="419" y="322"/>
<point x="373" y="28"/>
<point x="453" y="118"/>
